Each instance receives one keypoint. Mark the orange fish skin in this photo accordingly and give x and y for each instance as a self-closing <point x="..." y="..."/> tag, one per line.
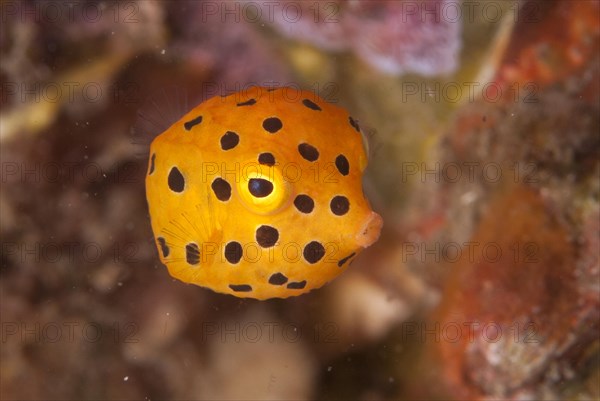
<point x="259" y="194"/>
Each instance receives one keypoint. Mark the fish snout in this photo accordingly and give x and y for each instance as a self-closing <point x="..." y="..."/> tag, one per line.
<point x="370" y="230"/>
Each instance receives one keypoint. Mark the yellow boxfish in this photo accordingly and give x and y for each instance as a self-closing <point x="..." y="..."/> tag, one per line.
<point x="259" y="194"/>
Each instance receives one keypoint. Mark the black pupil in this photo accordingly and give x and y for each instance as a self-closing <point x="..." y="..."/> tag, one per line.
<point x="260" y="187"/>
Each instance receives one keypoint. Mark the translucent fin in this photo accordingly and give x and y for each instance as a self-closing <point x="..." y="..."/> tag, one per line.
<point x="157" y="113"/>
<point x="369" y="139"/>
<point x="198" y="227"/>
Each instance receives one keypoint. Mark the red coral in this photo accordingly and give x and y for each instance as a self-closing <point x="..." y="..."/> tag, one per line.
<point x="546" y="55"/>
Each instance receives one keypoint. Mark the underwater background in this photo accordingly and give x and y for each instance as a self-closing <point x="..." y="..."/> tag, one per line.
<point x="483" y="122"/>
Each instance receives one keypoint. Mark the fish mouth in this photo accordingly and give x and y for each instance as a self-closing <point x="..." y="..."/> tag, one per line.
<point x="370" y="230"/>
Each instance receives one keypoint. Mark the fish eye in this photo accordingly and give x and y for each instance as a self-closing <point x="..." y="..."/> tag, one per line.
<point x="262" y="189"/>
<point x="259" y="187"/>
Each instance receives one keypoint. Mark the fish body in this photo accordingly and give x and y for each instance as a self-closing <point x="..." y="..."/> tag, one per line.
<point x="259" y="194"/>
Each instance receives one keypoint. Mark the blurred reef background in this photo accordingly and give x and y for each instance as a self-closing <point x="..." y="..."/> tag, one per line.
<point x="483" y="120"/>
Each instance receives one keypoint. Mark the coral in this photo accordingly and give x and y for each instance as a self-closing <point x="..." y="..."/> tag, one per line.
<point x="524" y="289"/>
<point x="550" y="55"/>
<point x="391" y="36"/>
<point x="526" y="204"/>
